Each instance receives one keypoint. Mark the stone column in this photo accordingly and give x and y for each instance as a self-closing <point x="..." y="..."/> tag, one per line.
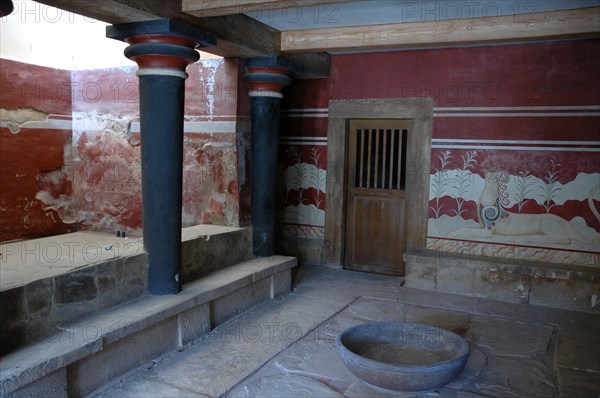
<point x="162" y="49"/>
<point x="267" y="77"/>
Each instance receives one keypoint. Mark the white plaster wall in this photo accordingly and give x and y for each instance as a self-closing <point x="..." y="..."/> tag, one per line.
<point x="42" y="35"/>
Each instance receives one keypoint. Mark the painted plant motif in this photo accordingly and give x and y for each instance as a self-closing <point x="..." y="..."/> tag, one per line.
<point x="439" y="182"/>
<point x="463" y="180"/>
<point x="450" y="186"/>
<point x="318" y="177"/>
<point x="550" y="189"/>
<point x="302" y="187"/>
<point x="495" y="219"/>
<point x="544" y="209"/>
<point x="524" y="183"/>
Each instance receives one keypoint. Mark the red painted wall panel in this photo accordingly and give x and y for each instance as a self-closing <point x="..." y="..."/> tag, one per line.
<point x="31" y="86"/>
<point x="554" y="73"/>
<point x="28" y="158"/>
<point x="303" y="159"/>
<point x="107" y="160"/>
<point x="301" y="105"/>
<point x="243" y="146"/>
<point x="522" y="128"/>
<point x="35" y="178"/>
<point x="528" y="111"/>
<point x="89" y="173"/>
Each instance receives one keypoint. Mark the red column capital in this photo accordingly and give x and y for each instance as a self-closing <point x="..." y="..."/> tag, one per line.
<point x="268" y="76"/>
<point x="161" y="47"/>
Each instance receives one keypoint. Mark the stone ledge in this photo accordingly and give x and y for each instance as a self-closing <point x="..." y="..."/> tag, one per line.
<point x="551" y="285"/>
<point x="38" y="360"/>
<point x="522" y="267"/>
<point x="90" y="335"/>
<point x="126" y="319"/>
<point x="206" y="248"/>
<point x="74" y="286"/>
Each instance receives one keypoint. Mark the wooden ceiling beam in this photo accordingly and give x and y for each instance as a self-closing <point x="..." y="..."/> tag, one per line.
<point x="211" y="8"/>
<point x="238" y="35"/>
<point x="583" y="22"/>
<point x="107" y="11"/>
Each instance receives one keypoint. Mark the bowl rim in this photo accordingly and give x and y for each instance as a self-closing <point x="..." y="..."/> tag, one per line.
<point x="430" y="368"/>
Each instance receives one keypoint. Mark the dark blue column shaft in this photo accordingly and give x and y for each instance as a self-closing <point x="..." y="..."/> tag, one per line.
<point x="265" y="141"/>
<point x="162" y="48"/>
<point x="161" y="118"/>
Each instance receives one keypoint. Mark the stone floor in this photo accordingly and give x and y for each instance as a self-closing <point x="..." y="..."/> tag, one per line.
<point x="286" y="347"/>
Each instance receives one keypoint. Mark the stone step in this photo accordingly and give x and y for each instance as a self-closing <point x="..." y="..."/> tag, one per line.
<point x="85" y="354"/>
<point x="550" y="285"/>
<point x="206" y="248"/>
<point x="58" y="279"/>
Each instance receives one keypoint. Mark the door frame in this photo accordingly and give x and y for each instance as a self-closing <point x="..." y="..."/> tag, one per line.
<point x="420" y="111"/>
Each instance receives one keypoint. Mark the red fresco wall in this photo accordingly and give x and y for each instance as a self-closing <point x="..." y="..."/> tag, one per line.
<point x="85" y="173"/>
<point x="529" y="112"/>
<point x="34" y="157"/>
<point x="243" y="146"/>
<point x="302" y="170"/>
<point x="303" y="133"/>
<point x="524" y="116"/>
<point x="107" y="152"/>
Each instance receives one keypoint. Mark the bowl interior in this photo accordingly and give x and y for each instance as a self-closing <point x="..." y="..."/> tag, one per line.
<point x="404" y="344"/>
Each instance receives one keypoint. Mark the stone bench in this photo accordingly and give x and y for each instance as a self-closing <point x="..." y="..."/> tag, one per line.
<point x="58" y="279"/>
<point x="84" y="355"/>
<point x="550" y="285"/>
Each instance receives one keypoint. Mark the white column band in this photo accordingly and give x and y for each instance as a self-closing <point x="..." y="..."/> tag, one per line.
<point x="161" y="72"/>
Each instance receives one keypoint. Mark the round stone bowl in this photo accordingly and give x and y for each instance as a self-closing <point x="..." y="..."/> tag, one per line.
<point x="406" y="357"/>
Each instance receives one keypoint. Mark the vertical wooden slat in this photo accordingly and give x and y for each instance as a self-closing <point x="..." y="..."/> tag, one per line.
<point x="358" y="167"/>
<point x="362" y="158"/>
<point x="384" y="163"/>
<point x="391" y="174"/>
<point x="369" y="159"/>
<point x="398" y="176"/>
<point x="377" y="154"/>
<point x="403" y="156"/>
<point x="394" y="160"/>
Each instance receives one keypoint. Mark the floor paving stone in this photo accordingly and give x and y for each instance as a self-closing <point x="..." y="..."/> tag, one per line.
<point x="361" y="390"/>
<point x="486" y="372"/>
<point x="508" y="337"/>
<point x="581" y="384"/>
<point x="476" y="364"/>
<point x="512" y="377"/>
<point x="142" y="387"/>
<point x="579" y="346"/>
<point x="286" y="386"/>
<point x="286" y="347"/>
<point x="457" y="322"/>
<point x="371" y="310"/>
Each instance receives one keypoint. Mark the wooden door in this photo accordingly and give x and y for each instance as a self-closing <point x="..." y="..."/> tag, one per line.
<point x="375" y="238"/>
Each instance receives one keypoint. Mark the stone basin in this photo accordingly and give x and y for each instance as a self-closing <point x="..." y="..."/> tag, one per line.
<point x="406" y="357"/>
